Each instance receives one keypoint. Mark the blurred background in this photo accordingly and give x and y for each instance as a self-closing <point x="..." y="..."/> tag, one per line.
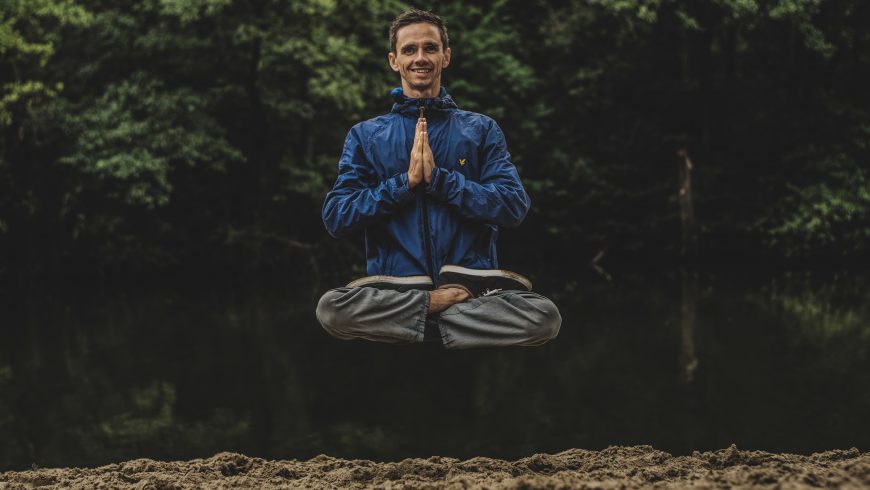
<point x="701" y="208"/>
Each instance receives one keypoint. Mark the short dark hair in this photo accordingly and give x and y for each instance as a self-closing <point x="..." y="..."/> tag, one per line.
<point x="415" y="16"/>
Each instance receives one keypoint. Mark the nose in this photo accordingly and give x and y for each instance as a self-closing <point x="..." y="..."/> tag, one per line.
<point x="420" y="57"/>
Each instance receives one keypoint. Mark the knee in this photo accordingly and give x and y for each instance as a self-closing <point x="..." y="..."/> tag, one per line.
<point x="546" y="321"/>
<point x="331" y="318"/>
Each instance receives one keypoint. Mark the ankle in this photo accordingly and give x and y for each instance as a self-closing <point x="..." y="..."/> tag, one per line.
<point x="441" y="299"/>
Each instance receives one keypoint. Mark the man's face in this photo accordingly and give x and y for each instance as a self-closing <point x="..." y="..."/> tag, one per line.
<point x="419" y="59"/>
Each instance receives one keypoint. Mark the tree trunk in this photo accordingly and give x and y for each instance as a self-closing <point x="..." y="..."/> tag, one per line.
<point x="688" y="240"/>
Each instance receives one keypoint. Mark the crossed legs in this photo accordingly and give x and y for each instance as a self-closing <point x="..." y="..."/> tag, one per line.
<point x="503" y="319"/>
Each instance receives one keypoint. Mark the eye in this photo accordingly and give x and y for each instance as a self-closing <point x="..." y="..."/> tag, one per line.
<point x="408" y="50"/>
<point x="431" y="48"/>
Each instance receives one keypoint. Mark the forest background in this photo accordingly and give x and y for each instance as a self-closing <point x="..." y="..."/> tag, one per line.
<point x="166" y="138"/>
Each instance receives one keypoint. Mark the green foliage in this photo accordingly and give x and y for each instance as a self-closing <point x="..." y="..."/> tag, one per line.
<point x="28" y="38"/>
<point x="129" y="139"/>
<point x="190" y="10"/>
<point x="824" y="217"/>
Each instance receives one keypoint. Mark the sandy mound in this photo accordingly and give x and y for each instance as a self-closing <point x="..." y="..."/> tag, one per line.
<point x="614" y="467"/>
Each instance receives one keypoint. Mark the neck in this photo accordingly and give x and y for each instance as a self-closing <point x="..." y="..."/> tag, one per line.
<point x="428" y="93"/>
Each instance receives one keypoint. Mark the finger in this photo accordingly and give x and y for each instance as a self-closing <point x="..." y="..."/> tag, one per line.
<point x="423" y="141"/>
<point x="418" y="165"/>
<point x="428" y="162"/>
<point x="418" y="139"/>
<point x="417" y="153"/>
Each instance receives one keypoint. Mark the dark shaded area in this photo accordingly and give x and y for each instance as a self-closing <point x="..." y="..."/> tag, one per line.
<point x="783" y="365"/>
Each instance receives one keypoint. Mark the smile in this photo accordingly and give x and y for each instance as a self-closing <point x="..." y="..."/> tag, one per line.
<point x="421" y="70"/>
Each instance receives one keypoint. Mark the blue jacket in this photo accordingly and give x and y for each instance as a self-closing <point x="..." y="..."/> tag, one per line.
<point x="454" y="219"/>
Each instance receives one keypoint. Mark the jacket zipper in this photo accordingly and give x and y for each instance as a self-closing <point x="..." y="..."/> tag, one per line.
<point x="426" y="245"/>
<point x="427" y="248"/>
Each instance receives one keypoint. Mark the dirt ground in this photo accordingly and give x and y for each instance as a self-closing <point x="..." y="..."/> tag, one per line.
<point x="614" y="467"/>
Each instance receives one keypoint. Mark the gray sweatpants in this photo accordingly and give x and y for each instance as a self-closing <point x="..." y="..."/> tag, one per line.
<point x="502" y="319"/>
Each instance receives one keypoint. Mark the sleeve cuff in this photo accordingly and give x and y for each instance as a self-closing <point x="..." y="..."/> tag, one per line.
<point x="398" y="185"/>
<point x="438" y="183"/>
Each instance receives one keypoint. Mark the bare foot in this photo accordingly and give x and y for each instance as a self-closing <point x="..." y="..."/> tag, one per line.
<point x="441" y="299"/>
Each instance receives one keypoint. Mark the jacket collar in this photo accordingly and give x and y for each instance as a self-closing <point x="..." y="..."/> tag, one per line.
<point x="409" y="105"/>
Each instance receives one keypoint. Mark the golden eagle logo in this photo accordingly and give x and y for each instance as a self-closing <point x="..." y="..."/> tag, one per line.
<point x="461" y="162"/>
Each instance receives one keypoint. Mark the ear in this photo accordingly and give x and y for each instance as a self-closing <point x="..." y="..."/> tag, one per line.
<point x="446" y="61"/>
<point x="391" y="57"/>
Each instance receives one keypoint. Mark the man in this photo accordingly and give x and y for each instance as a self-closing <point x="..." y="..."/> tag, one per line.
<point x="430" y="185"/>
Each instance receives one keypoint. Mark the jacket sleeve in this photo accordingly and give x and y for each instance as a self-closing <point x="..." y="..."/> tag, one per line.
<point x="498" y="198"/>
<point x="358" y="197"/>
